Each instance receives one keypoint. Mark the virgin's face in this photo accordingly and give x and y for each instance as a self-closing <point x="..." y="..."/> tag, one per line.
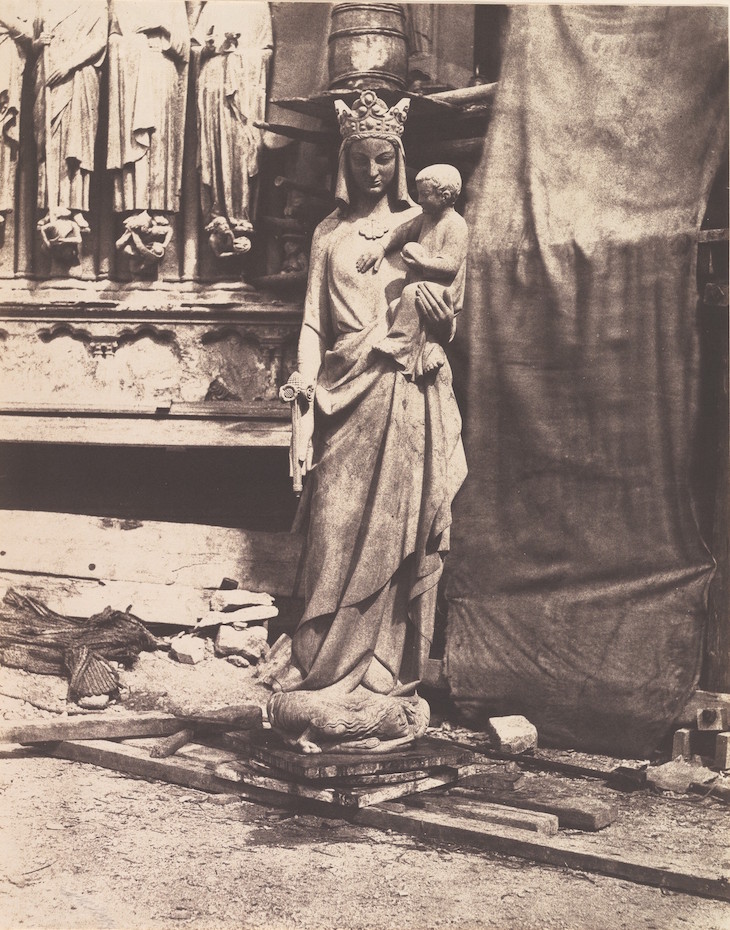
<point x="372" y="164"/>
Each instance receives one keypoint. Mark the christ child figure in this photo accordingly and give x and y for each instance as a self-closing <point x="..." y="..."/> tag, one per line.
<point x="434" y="247"/>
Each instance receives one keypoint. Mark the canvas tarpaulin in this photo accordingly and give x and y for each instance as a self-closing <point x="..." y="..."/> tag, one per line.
<point x="578" y="576"/>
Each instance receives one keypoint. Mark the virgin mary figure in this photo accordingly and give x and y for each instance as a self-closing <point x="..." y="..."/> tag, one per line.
<point x="384" y="454"/>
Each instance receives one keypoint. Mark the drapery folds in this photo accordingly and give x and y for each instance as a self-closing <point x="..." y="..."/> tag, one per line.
<point x="578" y="575"/>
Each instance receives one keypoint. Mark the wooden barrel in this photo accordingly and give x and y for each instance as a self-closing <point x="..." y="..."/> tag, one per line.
<point x="367" y="47"/>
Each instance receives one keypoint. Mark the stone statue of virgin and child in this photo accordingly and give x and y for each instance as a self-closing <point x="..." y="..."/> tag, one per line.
<point x="381" y="443"/>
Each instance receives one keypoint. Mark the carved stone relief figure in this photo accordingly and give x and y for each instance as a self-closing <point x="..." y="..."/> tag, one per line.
<point x="149" y="47"/>
<point x="16" y="33"/>
<point x="236" y="44"/>
<point x="70" y="36"/>
<point x="387" y="456"/>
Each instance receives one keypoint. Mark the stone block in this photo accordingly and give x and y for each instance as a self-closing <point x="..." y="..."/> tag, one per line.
<point x="249" y="642"/>
<point x="681" y="744"/>
<point x="188" y="649"/>
<point x="513" y="733"/>
<point x="722" y="752"/>
<point x="713" y="718"/>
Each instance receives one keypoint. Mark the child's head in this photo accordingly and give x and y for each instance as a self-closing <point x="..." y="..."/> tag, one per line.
<point x="438" y="187"/>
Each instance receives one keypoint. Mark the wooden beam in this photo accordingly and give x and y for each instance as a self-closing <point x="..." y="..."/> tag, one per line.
<point x="441" y="826"/>
<point x="129" y="726"/>
<point x="435" y="822"/>
<point x="143" y="432"/>
<point x="575" y="813"/>
<point x="224" y="409"/>
<point x="120" y="550"/>
<point x="94" y="728"/>
<point x="713" y="235"/>
<point x="546" y="765"/>
<point x="359" y="797"/>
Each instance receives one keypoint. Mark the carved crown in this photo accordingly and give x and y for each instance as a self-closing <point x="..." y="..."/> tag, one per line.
<point x="370" y="116"/>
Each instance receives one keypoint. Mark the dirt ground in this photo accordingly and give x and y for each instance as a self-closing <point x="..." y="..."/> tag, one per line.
<point x="84" y="847"/>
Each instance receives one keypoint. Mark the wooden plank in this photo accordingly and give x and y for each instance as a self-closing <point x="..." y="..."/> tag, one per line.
<point x="127" y="550"/>
<point x="354" y="797"/>
<point x="547" y="765"/>
<point x="135" y="760"/>
<point x="169" y="745"/>
<point x="224" y="409"/>
<point x="433" y="822"/>
<point x="467" y="96"/>
<point x="440" y="826"/>
<point x="713" y="235"/>
<point x="145" y="724"/>
<point x="573" y="813"/>
<point x="145" y="433"/>
<point x="128" y="726"/>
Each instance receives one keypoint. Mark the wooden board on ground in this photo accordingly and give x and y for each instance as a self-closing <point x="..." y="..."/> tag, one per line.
<point x="126" y="726"/>
<point x="358" y="797"/>
<point x="435" y="821"/>
<point x="426" y="753"/>
<point x="530" y="761"/>
<point x="128" y="550"/>
<point x="119" y="727"/>
<point x="576" y="813"/>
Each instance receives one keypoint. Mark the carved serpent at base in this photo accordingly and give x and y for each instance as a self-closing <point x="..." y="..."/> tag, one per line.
<point x="361" y="719"/>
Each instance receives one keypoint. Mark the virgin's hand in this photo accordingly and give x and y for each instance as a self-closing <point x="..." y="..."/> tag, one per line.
<point x="434" y="305"/>
<point x="371" y="259"/>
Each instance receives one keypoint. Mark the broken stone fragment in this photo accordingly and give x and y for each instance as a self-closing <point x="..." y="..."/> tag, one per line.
<point x="678" y="775"/>
<point x="188" y="649"/>
<point x="278" y="658"/>
<point x="249" y="642"/>
<point x="94" y="702"/>
<point x="234" y="600"/>
<point x="238" y="661"/>
<point x="248" y="615"/>
<point x="513" y="733"/>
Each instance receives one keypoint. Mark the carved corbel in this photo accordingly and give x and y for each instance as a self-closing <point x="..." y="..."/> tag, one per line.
<point x="145" y="240"/>
<point x="243" y="335"/>
<point x="105" y="345"/>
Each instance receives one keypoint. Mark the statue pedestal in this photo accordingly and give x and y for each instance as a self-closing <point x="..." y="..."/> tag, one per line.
<point x="421" y="755"/>
<point x="347" y="779"/>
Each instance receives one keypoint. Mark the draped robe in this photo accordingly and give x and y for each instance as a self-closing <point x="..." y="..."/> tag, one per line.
<point x="12" y="66"/>
<point x="377" y="504"/>
<point x="66" y="116"/>
<point x="231" y="97"/>
<point x="149" y="48"/>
